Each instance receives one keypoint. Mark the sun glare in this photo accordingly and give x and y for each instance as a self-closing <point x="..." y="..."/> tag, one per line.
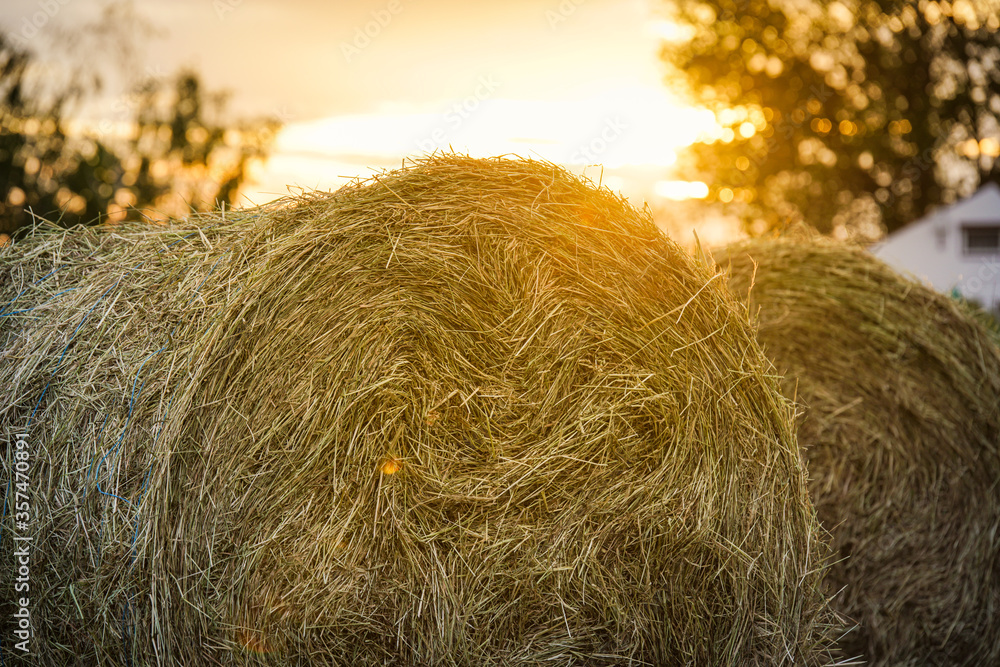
<point x="632" y="127"/>
<point x="669" y="30"/>
<point x="623" y="127"/>
<point x="679" y="190"/>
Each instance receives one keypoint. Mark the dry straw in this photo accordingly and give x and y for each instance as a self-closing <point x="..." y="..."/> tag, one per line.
<point x="472" y="412"/>
<point x="901" y="388"/>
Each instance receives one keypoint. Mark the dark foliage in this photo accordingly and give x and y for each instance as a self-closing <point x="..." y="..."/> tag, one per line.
<point x="860" y="113"/>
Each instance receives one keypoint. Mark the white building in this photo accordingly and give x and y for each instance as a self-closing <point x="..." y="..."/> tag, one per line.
<point x="955" y="249"/>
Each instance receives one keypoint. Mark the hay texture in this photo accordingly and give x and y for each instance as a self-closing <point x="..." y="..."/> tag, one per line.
<point x="472" y="412"/>
<point x="901" y="388"/>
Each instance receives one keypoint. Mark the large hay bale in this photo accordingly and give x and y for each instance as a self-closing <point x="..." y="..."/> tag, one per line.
<point x="473" y="412"/>
<point x="901" y="388"/>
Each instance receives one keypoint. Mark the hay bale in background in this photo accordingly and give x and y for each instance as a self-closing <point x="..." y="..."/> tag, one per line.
<point x="901" y="430"/>
<point x="472" y="412"/>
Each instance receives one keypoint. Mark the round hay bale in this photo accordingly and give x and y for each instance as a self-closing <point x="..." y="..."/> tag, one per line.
<point x="473" y="412"/>
<point x="85" y="322"/>
<point x="901" y="430"/>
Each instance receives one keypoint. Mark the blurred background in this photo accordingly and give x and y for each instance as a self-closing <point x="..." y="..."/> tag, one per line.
<point x="724" y="118"/>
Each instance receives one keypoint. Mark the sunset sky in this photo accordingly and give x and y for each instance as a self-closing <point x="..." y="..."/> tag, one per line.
<point x="362" y="84"/>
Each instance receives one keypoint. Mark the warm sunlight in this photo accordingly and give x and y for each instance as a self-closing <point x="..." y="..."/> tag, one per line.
<point x="636" y="127"/>
<point x="586" y="331"/>
<point x="679" y="190"/>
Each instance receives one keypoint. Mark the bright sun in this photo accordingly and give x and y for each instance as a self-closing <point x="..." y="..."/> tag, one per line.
<point x="635" y="128"/>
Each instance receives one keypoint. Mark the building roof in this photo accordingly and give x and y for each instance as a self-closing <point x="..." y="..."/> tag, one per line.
<point x="983" y="206"/>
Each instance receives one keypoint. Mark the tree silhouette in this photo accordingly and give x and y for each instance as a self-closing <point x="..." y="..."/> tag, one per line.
<point x="188" y="156"/>
<point x="181" y="155"/>
<point x="37" y="167"/>
<point x="852" y="115"/>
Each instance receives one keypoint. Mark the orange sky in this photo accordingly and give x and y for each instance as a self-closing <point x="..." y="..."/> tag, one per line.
<point x="362" y="83"/>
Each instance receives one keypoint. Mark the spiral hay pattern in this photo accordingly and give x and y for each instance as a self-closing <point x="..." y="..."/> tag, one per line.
<point x="472" y="412"/>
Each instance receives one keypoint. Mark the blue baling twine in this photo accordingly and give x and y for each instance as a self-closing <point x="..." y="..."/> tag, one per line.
<point x="126" y="633"/>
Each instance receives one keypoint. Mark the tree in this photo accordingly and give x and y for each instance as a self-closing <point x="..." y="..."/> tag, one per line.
<point x="854" y="115"/>
<point x="180" y="155"/>
<point x="183" y="154"/>
<point x="36" y="167"/>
